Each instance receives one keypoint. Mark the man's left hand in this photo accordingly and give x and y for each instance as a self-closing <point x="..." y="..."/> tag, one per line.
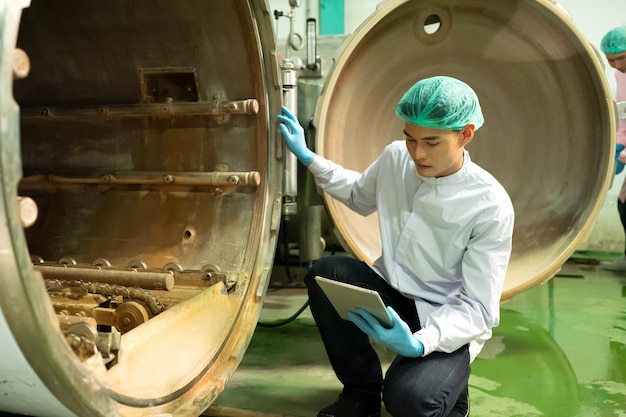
<point x="398" y="338"/>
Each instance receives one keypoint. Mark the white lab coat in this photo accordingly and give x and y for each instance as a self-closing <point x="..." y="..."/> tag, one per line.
<point x="446" y="242"/>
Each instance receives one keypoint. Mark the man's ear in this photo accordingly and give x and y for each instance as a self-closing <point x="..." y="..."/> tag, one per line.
<point x="468" y="133"/>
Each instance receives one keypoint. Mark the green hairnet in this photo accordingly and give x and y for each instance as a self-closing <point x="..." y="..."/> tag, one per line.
<point x="614" y="42"/>
<point x="440" y="103"/>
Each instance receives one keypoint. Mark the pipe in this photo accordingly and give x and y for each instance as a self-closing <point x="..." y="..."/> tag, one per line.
<point x="132" y="278"/>
<point x="290" y="100"/>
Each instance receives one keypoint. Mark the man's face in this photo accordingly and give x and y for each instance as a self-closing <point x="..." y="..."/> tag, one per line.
<point x="617" y="61"/>
<point x="436" y="152"/>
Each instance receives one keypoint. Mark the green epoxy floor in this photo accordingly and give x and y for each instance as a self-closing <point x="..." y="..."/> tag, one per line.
<point x="560" y="351"/>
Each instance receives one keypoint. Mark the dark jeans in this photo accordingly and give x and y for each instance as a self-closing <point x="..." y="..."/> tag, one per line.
<point x="424" y="387"/>
<point x="621" y="209"/>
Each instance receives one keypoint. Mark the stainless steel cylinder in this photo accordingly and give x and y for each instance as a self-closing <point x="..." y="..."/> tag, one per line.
<point x="549" y="130"/>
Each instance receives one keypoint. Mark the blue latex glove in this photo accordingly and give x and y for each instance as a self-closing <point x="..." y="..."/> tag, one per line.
<point x="293" y="133"/>
<point x="619" y="166"/>
<point x="398" y="338"/>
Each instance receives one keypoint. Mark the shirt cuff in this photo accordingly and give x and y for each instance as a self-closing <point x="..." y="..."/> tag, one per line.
<point x="426" y="336"/>
<point x="318" y="165"/>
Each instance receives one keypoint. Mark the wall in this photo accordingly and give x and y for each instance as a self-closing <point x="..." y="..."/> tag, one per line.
<point x="592" y="18"/>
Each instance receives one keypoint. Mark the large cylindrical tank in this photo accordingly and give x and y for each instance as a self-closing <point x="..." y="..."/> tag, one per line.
<point x="549" y="130"/>
<point x="140" y="136"/>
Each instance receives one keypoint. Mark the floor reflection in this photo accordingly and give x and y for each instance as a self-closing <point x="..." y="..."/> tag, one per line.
<point x="560" y="351"/>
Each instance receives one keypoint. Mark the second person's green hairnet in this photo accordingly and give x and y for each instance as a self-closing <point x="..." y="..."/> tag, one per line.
<point x="440" y="103"/>
<point x="614" y="41"/>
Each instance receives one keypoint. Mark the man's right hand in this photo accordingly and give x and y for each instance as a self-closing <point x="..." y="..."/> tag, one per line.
<point x="293" y="133"/>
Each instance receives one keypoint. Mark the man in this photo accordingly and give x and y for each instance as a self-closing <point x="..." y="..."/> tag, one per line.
<point x="446" y="228"/>
<point x="613" y="45"/>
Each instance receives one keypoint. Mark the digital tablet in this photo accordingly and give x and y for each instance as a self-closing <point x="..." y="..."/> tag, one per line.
<point x="346" y="297"/>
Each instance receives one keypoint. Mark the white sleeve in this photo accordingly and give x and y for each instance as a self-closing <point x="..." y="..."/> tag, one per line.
<point x="357" y="191"/>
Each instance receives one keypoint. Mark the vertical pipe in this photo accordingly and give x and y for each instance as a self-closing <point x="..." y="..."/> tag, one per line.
<point x="310" y="242"/>
<point x="290" y="100"/>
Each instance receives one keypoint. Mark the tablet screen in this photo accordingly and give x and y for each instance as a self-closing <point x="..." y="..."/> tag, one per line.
<point x="346" y="297"/>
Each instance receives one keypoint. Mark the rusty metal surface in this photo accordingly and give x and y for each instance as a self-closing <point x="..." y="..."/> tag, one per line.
<point x="147" y="150"/>
<point x="549" y="130"/>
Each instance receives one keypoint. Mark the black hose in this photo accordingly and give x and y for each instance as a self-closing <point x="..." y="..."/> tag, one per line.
<point x="288" y="320"/>
<point x="279" y="323"/>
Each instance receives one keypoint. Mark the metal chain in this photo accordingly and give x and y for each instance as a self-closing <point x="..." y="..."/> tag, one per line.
<point x="152" y="301"/>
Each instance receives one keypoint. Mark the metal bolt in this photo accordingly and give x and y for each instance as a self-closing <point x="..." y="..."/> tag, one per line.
<point x="75" y="341"/>
<point x="20" y="64"/>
